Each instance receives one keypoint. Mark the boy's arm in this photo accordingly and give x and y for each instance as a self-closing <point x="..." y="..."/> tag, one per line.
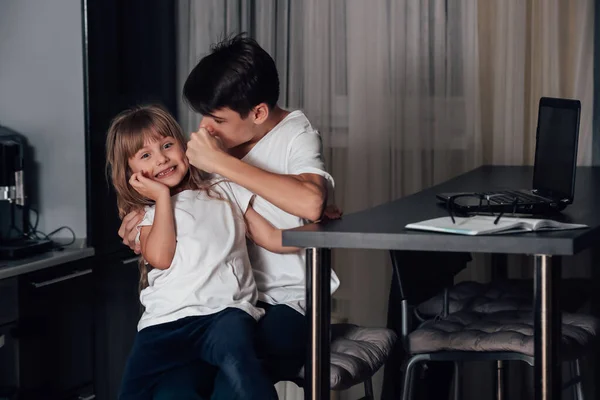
<point x="261" y="232"/>
<point x="303" y="195"/>
<point x="158" y="241"/>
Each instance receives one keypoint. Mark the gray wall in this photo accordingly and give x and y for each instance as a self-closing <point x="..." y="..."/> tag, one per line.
<point x="41" y="96"/>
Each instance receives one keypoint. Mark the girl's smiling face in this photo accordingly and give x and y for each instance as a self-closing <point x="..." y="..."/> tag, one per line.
<point x="161" y="159"/>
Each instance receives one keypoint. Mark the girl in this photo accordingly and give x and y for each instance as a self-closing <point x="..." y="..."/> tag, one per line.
<point x="199" y="293"/>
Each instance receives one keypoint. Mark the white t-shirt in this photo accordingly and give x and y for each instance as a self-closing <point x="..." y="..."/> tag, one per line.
<point x="292" y="147"/>
<point x="210" y="270"/>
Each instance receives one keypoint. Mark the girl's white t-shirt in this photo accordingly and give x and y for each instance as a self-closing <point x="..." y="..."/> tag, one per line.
<point x="210" y="270"/>
<point x="292" y="147"/>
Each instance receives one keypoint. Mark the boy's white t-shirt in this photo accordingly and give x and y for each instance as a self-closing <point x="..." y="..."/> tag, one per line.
<point x="210" y="270"/>
<point x="292" y="147"/>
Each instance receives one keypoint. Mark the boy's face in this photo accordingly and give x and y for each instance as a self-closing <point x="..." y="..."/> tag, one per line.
<point x="229" y="126"/>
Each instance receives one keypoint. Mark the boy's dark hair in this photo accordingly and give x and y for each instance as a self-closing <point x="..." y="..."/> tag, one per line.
<point x="237" y="74"/>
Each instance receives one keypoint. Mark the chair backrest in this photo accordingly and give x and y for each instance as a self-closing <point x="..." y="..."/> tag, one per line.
<point x="406" y="314"/>
<point x="419" y="275"/>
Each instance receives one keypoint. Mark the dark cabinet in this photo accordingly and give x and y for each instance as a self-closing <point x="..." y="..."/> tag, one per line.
<point x="8" y="362"/>
<point x="66" y="332"/>
<point x="55" y="332"/>
<point x="117" y="313"/>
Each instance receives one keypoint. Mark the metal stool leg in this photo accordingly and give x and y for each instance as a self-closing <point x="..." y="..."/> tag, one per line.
<point x="500" y="380"/>
<point x="578" y="385"/>
<point x="407" y="388"/>
<point x="457" y="385"/>
<point x="573" y="375"/>
<point x="369" y="390"/>
<point x="575" y="380"/>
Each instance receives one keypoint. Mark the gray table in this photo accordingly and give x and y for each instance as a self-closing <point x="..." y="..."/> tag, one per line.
<point x="382" y="227"/>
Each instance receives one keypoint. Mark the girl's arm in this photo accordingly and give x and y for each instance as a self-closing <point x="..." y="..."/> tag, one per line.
<point x="158" y="241"/>
<point x="261" y="232"/>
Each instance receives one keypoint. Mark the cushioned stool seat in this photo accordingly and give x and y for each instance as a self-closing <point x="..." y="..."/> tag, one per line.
<point x="504" y="295"/>
<point x="357" y="353"/>
<point x="504" y="331"/>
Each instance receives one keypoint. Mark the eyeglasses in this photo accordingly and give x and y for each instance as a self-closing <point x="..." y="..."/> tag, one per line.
<point x="484" y="204"/>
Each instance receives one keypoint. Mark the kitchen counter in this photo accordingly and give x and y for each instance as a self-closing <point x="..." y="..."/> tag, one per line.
<point x="76" y="251"/>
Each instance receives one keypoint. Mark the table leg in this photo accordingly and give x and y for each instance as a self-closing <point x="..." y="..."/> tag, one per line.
<point x="318" y="312"/>
<point x="547" y="323"/>
<point x="500" y="272"/>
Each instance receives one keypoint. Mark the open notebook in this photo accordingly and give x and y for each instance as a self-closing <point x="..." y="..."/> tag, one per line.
<point x="484" y="225"/>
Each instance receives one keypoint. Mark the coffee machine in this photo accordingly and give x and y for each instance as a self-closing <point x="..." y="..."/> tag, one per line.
<point x="17" y="235"/>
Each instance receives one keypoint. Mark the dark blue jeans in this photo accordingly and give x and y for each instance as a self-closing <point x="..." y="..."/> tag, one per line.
<point x="224" y="340"/>
<point x="281" y="339"/>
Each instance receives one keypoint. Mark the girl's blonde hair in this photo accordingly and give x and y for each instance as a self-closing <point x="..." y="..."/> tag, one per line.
<point x="126" y="135"/>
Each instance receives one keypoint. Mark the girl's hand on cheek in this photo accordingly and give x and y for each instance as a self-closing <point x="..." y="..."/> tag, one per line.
<point x="147" y="187"/>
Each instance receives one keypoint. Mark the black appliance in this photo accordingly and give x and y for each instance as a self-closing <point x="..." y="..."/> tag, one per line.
<point x="16" y="231"/>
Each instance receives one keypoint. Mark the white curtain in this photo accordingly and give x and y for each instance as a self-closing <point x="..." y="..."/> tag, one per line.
<point x="406" y="94"/>
<point x="392" y="86"/>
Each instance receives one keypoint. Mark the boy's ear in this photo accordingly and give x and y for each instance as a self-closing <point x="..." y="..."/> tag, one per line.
<point x="260" y="113"/>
